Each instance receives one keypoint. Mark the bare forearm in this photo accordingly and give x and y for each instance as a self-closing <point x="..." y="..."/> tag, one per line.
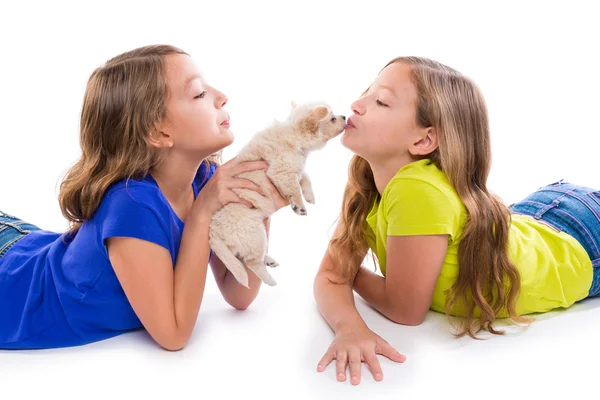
<point x="190" y="274"/>
<point x="398" y="308"/>
<point x="335" y="301"/>
<point x="371" y="287"/>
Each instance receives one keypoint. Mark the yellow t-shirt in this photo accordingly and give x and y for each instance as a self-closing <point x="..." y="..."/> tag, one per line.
<point x="419" y="200"/>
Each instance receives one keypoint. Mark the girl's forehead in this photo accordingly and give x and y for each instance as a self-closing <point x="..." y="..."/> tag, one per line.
<point x="395" y="75"/>
<point x="182" y="72"/>
<point x="396" y="78"/>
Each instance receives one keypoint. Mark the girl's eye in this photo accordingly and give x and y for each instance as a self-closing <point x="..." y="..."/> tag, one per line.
<point x="379" y="103"/>
<point x="201" y="95"/>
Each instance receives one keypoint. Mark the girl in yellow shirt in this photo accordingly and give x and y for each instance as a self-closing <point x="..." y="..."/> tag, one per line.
<point x="417" y="197"/>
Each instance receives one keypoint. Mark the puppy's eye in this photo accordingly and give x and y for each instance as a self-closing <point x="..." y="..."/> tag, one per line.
<point x="333" y="119"/>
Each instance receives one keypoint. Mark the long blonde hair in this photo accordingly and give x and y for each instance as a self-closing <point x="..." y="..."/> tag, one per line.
<point x="124" y="101"/>
<point x="488" y="282"/>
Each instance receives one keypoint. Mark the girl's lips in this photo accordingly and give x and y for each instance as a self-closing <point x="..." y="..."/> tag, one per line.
<point x="349" y="124"/>
<point x="226" y="122"/>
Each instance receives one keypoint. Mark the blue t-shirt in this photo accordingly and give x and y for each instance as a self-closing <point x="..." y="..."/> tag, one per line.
<point x="56" y="292"/>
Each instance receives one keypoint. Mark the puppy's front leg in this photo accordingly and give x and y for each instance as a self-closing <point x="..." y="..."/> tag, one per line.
<point x="289" y="187"/>
<point x="306" y="186"/>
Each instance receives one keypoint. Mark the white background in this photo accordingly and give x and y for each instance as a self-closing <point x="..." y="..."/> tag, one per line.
<point x="537" y="64"/>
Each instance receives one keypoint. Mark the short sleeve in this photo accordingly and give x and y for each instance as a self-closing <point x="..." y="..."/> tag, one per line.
<point x="416" y="207"/>
<point x="130" y="212"/>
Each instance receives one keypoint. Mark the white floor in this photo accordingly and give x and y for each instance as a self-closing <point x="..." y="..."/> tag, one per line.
<point x="271" y="351"/>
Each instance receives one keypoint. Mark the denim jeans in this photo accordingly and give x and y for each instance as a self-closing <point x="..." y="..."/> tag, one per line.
<point x="572" y="209"/>
<point x="12" y="230"/>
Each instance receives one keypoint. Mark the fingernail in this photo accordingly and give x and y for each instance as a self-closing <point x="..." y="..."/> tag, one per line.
<point x="355" y="379"/>
<point x="378" y="376"/>
<point x="320" y="366"/>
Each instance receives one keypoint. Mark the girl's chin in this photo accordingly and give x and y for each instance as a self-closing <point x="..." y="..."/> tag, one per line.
<point x="353" y="146"/>
<point x="348" y="141"/>
<point x="230" y="138"/>
<point x="226" y="136"/>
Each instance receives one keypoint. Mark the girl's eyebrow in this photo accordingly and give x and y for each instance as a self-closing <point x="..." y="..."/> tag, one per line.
<point x="190" y="79"/>
<point x="387" y="88"/>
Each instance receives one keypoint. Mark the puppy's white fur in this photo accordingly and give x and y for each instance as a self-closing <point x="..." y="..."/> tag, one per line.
<point x="237" y="233"/>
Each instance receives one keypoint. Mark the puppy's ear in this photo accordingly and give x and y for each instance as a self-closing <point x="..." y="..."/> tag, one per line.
<point x="319" y="113"/>
<point x="311" y="121"/>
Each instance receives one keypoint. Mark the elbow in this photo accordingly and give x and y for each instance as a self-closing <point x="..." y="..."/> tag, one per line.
<point x="173" y="340"/>
<point x="407" y="318"/>
<point x="173" y="347"/>
<point x="240" y="303"/>
<point x="240" y="306"/>
<point x="414" y="321"/>
<point x="173" y="344"/>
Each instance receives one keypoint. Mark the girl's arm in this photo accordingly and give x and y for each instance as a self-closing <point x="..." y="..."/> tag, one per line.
<point x="412" y="269"/>
<point x="354" y="342"/>
<point x="165" y="299"/>
<point x="335" y="300"/>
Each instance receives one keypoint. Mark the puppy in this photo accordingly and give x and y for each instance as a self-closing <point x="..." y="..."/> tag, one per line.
<point x="237" y="233"/>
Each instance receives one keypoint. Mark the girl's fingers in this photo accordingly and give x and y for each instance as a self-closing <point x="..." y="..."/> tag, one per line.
<point x="341" y="362"/>
<point x="374" y="365"/>
<point x="326" y="360"/>
<point x="247" y="167"/>
<point x="241" y="183"/>
<point x="385" y="349"/>
<point x="354" y="358"/>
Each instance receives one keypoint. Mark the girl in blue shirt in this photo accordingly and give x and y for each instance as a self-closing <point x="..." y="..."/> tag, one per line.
<point x="139" y="202"/>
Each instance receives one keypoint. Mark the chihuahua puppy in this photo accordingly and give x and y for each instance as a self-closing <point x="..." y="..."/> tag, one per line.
<point x="237" y="233"/>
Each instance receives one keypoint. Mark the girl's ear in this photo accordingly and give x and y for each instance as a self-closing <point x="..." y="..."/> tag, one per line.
<point x="160" y="137"/>
<point x="426" y="144"/>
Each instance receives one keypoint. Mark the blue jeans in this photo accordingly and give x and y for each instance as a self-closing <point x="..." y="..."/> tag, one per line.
<point x="572" y="209"/>
<point x="12" y="230"/>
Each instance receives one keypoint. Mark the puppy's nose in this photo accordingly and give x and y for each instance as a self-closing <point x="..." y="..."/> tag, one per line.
<point x="344" y="117"/>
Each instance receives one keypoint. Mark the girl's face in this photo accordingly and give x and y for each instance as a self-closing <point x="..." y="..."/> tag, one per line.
<point x="197" y="125"/>
<point x="384" y="124"/>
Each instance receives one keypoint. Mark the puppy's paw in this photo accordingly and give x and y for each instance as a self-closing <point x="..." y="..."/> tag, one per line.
<point x="298" y="210"/>
<point x="310" y="199"/>
<point x="270" y="262"/>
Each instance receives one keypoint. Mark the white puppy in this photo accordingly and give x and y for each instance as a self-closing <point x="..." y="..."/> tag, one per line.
<point x="237" y="233"/>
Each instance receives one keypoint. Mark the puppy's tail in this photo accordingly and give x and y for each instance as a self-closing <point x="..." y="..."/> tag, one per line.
<point x="233" y="264"/>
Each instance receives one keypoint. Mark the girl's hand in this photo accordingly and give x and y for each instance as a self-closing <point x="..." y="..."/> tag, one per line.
<point x="355" y="346"/>
<point x="217" y="192"/>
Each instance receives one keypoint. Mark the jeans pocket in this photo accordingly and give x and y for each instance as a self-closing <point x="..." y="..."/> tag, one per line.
<point x="595" y="196"/>
<point x="5" y="247"/>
